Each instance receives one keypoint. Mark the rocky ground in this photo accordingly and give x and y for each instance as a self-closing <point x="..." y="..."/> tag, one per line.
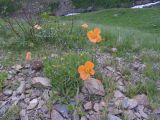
<point x="27" y="93"/>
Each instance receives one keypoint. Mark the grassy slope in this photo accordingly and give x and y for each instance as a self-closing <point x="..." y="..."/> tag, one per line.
<point x="130" y="30"/>
<point x="147" y="20"/>
<point x="133" y="32"/>
<point x="133" y="29"/>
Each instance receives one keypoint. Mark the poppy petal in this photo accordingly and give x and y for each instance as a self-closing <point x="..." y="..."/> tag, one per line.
<point x="89" y="64"/>
<point x="28" y="56"/>
<point x="84" y="76"/>
<point x="97" y="31"/>
<point x="92" y="72"/>
<point x="81" y="68"/>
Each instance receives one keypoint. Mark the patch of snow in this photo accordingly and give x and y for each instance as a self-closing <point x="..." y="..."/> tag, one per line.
<point x="71" y="14"/>
<point x="146" y="5"/>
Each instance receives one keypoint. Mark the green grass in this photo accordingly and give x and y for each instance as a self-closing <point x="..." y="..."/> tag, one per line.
<point x="3" y="77"/>
<point x="140" y="19"/>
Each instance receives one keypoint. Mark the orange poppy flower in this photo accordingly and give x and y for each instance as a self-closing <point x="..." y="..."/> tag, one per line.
<point x="86" y="70"/>
<point x="28" y="56"/>
<point x="84" y="25"/>
<point x="94" y="35"/>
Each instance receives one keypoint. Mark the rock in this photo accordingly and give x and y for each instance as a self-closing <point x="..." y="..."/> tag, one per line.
<point x="122" y="88"/>
<point x="35" y="94"/>
<point x="75" y="115"/>
<point x="23" y="105"/>
<point x="37" y="65"/>
<point x="83" y="118"/>
<point x="62" y="109"/>
<point x="88" y="106"/>
<point x="114" y="111"/>
<point x="41" y="82"/>
<point x="95" y="116"/>
<point x="9" y="77"/>
<point x="17" y="67"/>
<point x="112" y="117"/>
<point x="129" y="115"/>
<point x="103" y="103"/>
<point x="4" y="108"/>
<point x="97" y="107"/>
<point x="129" y="103"/>
<point x="93" y="87"/>
<point x="136" y="66"/>
<point x="56" y="116"/>
<point x="27" y="100"/>
<point x="142" y="113"/>
<point x="156" y="113"/>
<point x="21" y="88"/>
<point x="7" y="92"/>
<point x="125" y="103"/>
<point x="118" y="94"/>
<point x="45" y="95"/>
<point x="23" y="115"/>
<point x="32" y="104"/>
<point x="142" y="100"/>
<point x="41" y="103"/>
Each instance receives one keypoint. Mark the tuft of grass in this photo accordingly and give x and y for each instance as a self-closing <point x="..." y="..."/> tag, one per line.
<point x="3" y="77"/>
<point x="133" y="90"/>
<point x="63" y="73"/>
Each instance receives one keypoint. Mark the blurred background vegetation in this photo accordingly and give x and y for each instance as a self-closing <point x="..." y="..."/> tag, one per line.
<point x="8" y="7"/>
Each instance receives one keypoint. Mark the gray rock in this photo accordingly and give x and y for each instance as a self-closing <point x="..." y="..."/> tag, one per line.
<point x="142" y="113"/>
<point x="118" y="94"/>
<point x="56" y="115"/>
<point x="41" y="103"/>
<point x="122" y="88"/>
<point x="156" y="113"/>
<point x="7" y="92"/>
<point x="88" y="106"/>
<point x="23" y="115"/>
<point x="35" y="94"/>
<point x="129" y="115"/>
<point x="129" y="103"/>
<point x="41" y="82"/>
<point x="21" y="88"/>
<point x="62" y="109"/>
<point x="83" y="118"/>
<point x="142" y="100"/>
<point x="32" y="104"/>
<point x="114" y="111"/>
<point x="93" y="87"/>
<point x="4" y="108"/>
<point x="75" y="115"/>
<point x="95" y="116"/>
<point x="45" y="95"/>
<point x="112" y="117"/>
<point x="17" y="67"/>
<point x="97" y="107"/>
